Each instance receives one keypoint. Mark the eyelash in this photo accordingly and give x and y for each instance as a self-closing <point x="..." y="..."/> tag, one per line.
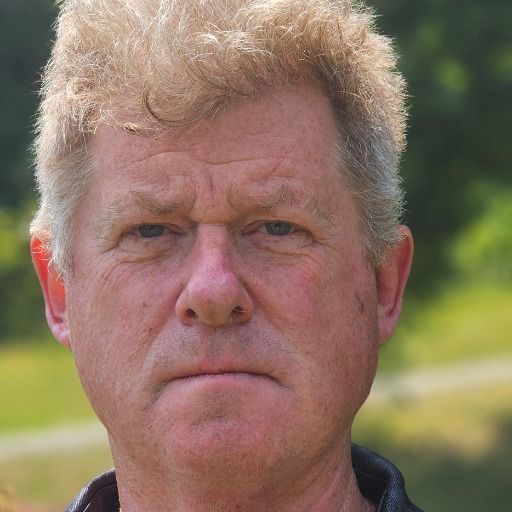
<point x="134" y="232"/>
<point x="262" y="227"/>
<point x="278" y="223"/>
<point x="150" y="227"/>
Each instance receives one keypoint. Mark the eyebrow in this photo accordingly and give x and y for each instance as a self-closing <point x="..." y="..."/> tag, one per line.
<point x="288" y="196"/>
<point x="156" y="207"/>
<point x="265" y="201"/>
<point x="118" y="207"/>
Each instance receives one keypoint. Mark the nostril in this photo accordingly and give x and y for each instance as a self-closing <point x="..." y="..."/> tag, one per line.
<point x="238" y="311"/>
<point x="191" y="313"/>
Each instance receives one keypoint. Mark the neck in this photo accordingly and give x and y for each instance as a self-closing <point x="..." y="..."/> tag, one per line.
<point x="326" y="489"/>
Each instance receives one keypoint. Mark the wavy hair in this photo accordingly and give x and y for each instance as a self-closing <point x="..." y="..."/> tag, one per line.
<point x="174" y="62"/>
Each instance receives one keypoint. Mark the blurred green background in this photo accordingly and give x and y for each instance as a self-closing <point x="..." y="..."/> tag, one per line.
<point x="453" y="441"/>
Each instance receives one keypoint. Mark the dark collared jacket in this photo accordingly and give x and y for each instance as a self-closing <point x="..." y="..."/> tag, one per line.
<point x="379" y="481"/>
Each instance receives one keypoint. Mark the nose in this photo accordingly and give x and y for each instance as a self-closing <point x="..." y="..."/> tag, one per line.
<point x="213" y="294"/>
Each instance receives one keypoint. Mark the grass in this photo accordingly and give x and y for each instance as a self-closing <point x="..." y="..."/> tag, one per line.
<point x="453" y="449"/>
<point x="462" y="323"/>
<point x="39" y="386"/>
<point x="51" y="481"/>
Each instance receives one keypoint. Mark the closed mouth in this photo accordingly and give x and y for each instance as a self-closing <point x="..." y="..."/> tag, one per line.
<point x="227" y="373"/>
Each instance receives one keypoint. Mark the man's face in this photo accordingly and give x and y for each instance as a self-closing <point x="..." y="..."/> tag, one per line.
<point x="222" y="309"/>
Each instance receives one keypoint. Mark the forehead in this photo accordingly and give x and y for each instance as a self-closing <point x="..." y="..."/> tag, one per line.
<point x="286" y="115"/>
<point x="284" y="141"/>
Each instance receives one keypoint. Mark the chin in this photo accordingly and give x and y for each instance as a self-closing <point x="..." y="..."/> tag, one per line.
<point x="226" y="449"/>
<point x="221" y="424"/>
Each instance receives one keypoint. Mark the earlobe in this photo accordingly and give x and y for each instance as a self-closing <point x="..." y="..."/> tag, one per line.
<point x="54" y="292"/>
<point x="391" y="278"/>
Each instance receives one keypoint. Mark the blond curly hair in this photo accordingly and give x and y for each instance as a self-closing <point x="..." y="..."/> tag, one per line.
<point x="174" y="62"/>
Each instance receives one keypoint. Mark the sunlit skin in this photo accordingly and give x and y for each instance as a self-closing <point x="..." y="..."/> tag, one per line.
<point x="223" y="312"/>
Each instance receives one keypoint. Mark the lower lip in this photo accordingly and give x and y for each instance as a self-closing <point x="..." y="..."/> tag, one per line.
<point x="214" y="386"/>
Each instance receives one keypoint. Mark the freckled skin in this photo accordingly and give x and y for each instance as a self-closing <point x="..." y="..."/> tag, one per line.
<point x="143" y="312"/>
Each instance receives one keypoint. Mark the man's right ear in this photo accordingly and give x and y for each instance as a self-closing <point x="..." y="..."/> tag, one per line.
<point x="54" y="290"/>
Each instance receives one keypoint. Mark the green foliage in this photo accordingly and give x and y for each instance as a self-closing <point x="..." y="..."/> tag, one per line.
<point x="467" y="321"/>
<point x="25" y="28"/>
<point x="484" y="248"/>
<point x="10" y="242"/>
<point x="22" y="309"/>
<point x="457" y="59"/>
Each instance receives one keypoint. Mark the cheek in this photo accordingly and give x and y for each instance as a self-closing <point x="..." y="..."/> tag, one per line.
<point x="319" y="294"/>
<point x="329" y="318"/>
<point x="124" y="297"/>
<point x="114" y="315"/>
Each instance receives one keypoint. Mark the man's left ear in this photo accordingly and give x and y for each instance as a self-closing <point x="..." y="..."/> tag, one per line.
<point x="52" y="285"/>
<point x="391" y="278"/>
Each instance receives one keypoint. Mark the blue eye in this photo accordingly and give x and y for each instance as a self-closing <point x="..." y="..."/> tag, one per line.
<point x="278" y="228"/>
<point x="150" y="230"/>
